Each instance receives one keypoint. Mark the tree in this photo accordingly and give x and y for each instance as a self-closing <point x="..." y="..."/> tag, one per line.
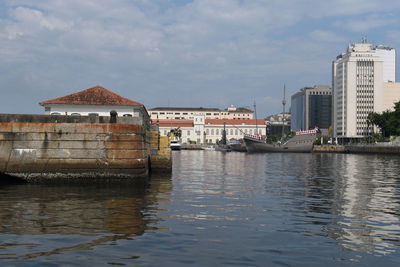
<point x="388" y="121"/>
<point x="177" y="132"/>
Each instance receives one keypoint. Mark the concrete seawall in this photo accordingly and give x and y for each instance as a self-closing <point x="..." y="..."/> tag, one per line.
<point x="358" y="148"/>
<point x="161" y="160"/>
<point x="329" y="149"/>
<point x="40" y="147"/>
<point x="374" y="148"/>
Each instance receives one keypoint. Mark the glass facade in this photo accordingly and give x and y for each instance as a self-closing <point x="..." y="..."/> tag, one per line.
<point x="297" y="111"/>
<point x="320" y="111"/>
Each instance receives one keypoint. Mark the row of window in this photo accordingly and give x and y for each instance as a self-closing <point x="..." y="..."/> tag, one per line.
<point x="320" y="93"/>
<point x="219" y="132"/>
<point x="90" y="114"/>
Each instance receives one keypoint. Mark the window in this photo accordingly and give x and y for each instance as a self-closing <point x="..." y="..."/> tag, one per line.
<point x="217" y="131"/>
<point x="93" y="114"/>
<point x="75" y="114"/>
<point x="47" y="109"/>
<point x="188" y="132"/>
<point x="207" y="131"/>
<point x="127" y="115"/>
<point x="162" y="113"/>
<point x="55" y="113"/>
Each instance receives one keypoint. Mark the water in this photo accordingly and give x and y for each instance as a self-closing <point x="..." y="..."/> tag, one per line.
<point x="216" y="209"/>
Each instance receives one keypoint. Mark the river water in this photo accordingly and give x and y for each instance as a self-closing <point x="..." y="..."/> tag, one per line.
<point x="215" y="209"/>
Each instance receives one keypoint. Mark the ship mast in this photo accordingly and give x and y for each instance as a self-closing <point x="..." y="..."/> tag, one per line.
<point x="255" y="114"/>
<point x="283" y="114"/>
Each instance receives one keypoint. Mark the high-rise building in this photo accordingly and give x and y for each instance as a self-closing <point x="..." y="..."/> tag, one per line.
<point x="358" y="78"/>
<point x="311" y="107"/>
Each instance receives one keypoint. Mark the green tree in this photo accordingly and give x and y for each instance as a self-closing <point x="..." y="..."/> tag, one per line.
<point x="387" y="121"/>
<point x="177" y="132"/>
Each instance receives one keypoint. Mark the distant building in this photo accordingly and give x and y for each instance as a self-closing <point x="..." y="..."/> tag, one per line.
<point x="205" y="131"/>
<point x="185" y="113"/>
<point x="391" y="95"/>
<point x="275" y="123"/>
<point x="97" y="101"/>
<point x="311" y="107"/>
<point x="363" y="82"/>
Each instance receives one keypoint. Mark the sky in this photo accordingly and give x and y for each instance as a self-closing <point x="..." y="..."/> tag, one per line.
<point x="181" y="53"/>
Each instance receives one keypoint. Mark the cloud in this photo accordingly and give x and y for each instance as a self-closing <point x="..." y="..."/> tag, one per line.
<point x="326" y="36"/>
<point x="202" y="51"/>
<point x="365" y="24"/>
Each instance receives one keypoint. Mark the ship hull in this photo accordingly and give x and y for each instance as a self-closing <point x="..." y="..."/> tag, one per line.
<point x="303" y="144"/>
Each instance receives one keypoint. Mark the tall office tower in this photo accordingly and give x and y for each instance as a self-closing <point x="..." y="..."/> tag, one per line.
<point x="358" y="77"/>
<point x="311" y="107"/>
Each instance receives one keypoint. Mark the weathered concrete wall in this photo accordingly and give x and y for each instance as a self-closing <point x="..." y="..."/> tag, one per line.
<point x="66" y="119"/>
<point x="360" y="148"/>
<point x="44" y="149"/>
<point x="373" y="148"/>
<point x="329" y="149"/>
<point x="161" y="160"/>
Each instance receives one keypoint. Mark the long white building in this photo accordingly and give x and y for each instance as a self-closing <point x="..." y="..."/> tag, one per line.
<point x="186" y="113"/>
<point x="359" y="87"/>
<point x="201" y="130"/>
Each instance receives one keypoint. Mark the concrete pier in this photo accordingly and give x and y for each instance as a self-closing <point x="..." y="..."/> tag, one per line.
<point x="47" y="147"/>
<point x="379" y="148"/>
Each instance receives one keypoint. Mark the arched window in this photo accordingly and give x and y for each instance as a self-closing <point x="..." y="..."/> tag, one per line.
<point x="127" y="115"/>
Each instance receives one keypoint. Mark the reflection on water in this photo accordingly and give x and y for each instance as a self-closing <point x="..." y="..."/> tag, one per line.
<point x="216" y="209"/>
<point x="369" y="199"/>
<point x="102" y="213"/>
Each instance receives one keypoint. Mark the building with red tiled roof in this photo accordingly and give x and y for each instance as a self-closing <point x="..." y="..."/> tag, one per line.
<point x="96" y="100"/>
<point x="206" y="131"/>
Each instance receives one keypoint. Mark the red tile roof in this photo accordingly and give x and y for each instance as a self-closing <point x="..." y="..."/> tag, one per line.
<point x="96" y="95"/>
<point x="234" y="122"/>
<point x="173" y="123"/>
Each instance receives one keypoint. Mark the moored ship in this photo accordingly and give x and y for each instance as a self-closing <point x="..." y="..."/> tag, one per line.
<point x="302" y="142"/>
<point x="237" y="145"/>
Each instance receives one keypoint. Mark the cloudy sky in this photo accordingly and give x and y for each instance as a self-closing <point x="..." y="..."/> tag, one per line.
<point x="209" y="53"/>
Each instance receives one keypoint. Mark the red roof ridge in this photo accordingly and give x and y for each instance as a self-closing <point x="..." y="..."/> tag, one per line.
<point x="235" y="122"/>
<point x="96" y="95"/>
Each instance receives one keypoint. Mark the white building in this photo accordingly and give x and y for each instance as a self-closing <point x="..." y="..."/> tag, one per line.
<point x="388" y="55"/>
<point x="97" y="101"/>
<point x="201" y="130"/>
<point x="182" y="113"/>
<point x="358" y="81"/>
